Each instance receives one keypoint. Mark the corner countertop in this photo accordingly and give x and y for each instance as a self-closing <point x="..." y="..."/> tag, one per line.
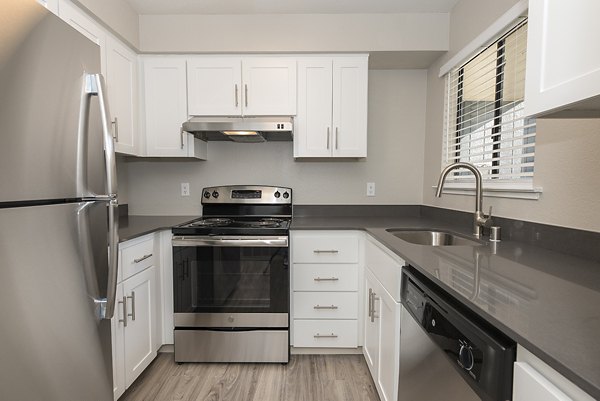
<point x="131" y="227"/>
<point x="544" y="300"/>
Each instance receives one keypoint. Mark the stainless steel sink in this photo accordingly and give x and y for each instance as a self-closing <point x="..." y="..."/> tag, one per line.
<point x="433" y="238"/>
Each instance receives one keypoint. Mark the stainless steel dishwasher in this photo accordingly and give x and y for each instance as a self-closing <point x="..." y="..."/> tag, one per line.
<point x="447" y="353"/>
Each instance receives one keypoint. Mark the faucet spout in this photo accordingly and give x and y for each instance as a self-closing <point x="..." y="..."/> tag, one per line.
<point x="479" y="218"/>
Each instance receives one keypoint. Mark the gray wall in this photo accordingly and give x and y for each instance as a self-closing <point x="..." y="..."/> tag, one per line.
<point x="567" y="161"/>
<point x="395" y="157"/>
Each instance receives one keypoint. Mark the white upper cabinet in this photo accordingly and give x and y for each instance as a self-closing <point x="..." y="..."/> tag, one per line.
<point x="215" y="85"/>
<point x="350" y="107"/>
<point x="121" y="81"/>
<point x="563" y="71"/>
<point x="233" y="86"/>
<point x="332" y="107"/>
<point x="313" y="124"/>
<point x="269" y="86"/>
<point x="165" y="109"/>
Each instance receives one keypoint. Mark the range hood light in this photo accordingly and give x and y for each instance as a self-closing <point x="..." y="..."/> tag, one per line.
<point x="245" y="133"/>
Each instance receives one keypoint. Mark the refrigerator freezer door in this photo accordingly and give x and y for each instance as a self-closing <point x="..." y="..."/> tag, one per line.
<point x="43" y="63"/>
<point x="53" y="347"/>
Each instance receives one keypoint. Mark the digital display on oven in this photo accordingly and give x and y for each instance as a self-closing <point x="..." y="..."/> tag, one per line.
<point x="246" y="194"/>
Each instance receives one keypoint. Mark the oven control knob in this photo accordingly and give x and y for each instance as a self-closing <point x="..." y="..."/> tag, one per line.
<point x="215" y="194"/>
<point x="230" y="319"/>
<point x="465" y="357"/>
<point x="207" y="194"/>
<point x="286" y="195"/>
<point x="277" y="194"/>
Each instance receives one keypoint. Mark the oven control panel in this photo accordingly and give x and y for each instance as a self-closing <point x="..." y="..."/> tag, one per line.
<point x="254" y="194"/>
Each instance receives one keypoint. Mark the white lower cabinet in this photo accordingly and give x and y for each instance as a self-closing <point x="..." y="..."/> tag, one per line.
<point x="326" y="269"/>
<point x="534" y="380"/>
<point x="382" y="337"/>
<point x="382" y="318"/>
<point x="135" y="325"/>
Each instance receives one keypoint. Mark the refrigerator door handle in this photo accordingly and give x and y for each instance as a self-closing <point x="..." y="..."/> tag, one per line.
<point x="94" y="86"/>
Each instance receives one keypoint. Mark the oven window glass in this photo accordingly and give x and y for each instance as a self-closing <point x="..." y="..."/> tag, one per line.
<point x="231" y="279"/>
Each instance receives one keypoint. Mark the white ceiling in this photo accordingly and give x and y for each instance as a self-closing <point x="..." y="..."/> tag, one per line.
<point x="289" y="6"/>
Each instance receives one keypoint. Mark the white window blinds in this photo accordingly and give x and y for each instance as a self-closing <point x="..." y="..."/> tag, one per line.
<point x="484" y="120"/>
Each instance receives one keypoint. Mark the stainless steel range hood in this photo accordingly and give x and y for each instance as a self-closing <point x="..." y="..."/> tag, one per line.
<point x="240" y="129"/>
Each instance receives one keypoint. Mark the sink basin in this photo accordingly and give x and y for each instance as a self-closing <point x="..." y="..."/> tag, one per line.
<point x="432" y="237"/>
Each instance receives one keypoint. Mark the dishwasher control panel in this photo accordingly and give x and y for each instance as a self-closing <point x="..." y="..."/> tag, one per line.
<point x="483" y="356"/>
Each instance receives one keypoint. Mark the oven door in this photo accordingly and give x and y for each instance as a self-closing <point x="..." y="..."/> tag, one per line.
<point x="229" y="281"/>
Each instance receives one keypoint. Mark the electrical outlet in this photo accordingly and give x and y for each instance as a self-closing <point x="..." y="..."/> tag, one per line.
<point x="185" y="189"/>
<point x="370" y="189"/>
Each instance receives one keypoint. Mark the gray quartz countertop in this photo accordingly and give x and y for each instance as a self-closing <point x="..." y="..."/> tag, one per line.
<point x="546" y="301"/>
<point x="131" y="227"/>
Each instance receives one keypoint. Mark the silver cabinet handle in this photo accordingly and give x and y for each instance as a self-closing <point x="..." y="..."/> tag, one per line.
<point x="115" y="123"/>
<point x="325" y="335"/>
<point x="373" y="314"/>
<point x="132" y="314"/>
<point x="336" y="138"/>
<point x="370" y="306"/>
<point x="181" y="133"/>
<point x="236" y="95"/>
<point x="325" y="251"/>
<point x="94" y="86"/>
<point x="326" y="279"/>
<point x="246" y="94"/>
<point x="124" y="320"/>
<point x="142" y="258"/>
<point x="325" y="307"/>
<point x="327" y="138"/>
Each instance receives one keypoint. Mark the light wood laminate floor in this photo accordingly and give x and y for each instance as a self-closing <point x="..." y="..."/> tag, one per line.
<point x="305" y="378"/>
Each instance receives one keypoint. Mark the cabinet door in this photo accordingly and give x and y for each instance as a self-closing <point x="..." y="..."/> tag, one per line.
<point x="388" y="313"/>
<point x="313" y="130"/>
<point x="139" y="291"/>
<point x="350" y="76"/>
<point x="85" y="25"/>
<point x="165" y="103"/>
<point x="269" y="86"/>
<point x="371" y="342"/>
<point x="530" y="385"/>
<point x="562" y="68"/>
<point x="121" y="81"/>
<point x="118" y="345"/>
<point x="214" y="86"/>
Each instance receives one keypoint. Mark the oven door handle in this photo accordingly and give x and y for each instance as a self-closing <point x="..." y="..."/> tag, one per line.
<point x="250" y="241"/>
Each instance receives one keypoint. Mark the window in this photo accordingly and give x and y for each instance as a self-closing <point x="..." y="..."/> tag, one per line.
<point x="484" y="120"/>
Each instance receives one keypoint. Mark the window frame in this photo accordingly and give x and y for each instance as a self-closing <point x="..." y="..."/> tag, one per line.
<point x="522" y="188"/>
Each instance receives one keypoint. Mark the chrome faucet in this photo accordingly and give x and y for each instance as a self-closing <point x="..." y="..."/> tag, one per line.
<point x="480" y="220"/>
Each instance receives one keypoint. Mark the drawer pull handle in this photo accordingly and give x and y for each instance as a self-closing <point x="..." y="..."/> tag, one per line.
<point x="142" y="258"/>
<point x="325" y="307"/>
<point x="326" y="279"/>
<point x="325" y="251"/>
<point x="325" y="335"/>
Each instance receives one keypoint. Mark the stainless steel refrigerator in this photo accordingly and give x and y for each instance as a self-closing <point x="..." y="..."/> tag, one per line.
<point x="58" y="211"/>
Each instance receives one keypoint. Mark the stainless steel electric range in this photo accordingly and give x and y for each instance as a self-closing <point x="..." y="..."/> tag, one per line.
<point x="231" y="277"/>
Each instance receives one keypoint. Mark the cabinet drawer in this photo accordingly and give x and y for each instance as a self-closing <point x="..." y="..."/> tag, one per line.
<point x="326" y="333"/>
<point x="325" y="305"/>
<point x="325" y="248"/>
<point x="325" y="277"/>
<point x="136" y="255"/>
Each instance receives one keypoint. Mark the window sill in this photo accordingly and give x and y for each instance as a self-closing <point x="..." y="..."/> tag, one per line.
<point x="512" y="193"/>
